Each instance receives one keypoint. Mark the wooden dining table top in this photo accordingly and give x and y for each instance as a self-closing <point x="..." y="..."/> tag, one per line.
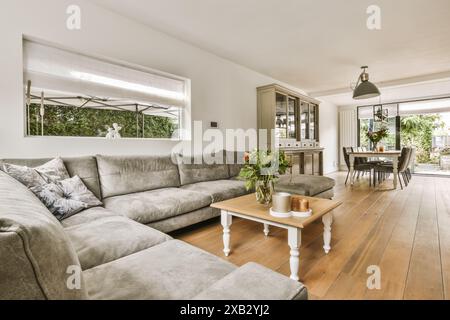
<point x="377" y="153"/>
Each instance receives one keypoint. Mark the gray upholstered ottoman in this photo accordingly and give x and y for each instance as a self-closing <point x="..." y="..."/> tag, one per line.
<point x="307" y="185"/>
<point x="254" y="282"/>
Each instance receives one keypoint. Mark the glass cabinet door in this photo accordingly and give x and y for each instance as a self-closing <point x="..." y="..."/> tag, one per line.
<point x="281" y="121"/>
<point x="304" y="120"/>
<point x="292" y="117"/>
<point x="312" y="121"/>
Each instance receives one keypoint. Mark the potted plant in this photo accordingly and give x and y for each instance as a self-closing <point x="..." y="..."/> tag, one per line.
<point x="260" y="170"/>
<point x="376" y="136"/>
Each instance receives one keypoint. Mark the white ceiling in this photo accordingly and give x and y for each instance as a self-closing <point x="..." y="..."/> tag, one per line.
<point x="315" y="45"/>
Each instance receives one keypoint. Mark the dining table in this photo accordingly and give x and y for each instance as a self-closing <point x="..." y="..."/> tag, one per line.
<point x="390" y="154"/>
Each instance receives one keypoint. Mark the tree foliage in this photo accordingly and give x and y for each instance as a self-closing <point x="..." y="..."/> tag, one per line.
<point x="88" y="122"/>
<point x="417" y="131"/>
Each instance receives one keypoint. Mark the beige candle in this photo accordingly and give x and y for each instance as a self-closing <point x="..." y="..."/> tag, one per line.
<point x="281" y="202"/>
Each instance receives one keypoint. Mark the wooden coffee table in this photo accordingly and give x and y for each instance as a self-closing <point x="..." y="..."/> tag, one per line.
<point x="246" y="207"/>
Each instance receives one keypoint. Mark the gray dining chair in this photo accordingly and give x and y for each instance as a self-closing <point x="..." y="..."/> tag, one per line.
<point x="359" y="165"/>
<point x="382" y="170"/>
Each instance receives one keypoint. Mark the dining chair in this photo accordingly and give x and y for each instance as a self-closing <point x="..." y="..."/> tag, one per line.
<point x="411" y="162"/>
<point x="383" y="169"/>
<point x="358" y="167"/>
<point x="407" y="172"/>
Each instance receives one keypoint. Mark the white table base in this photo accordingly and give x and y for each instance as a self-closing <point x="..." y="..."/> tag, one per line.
<point x="294" y="236"/>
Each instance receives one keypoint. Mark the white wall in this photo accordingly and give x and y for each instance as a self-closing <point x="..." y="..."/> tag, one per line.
<point x="348" y="132"/>
<point x="329" y="133"/>
<point x="221" y="90"/>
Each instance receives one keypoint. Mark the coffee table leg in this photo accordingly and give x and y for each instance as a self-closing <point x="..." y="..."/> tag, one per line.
<point x="294" y="240"/>
<point x="226" y="220"/>
<point x="327" y="221"/>
<point x="266" y="229"/>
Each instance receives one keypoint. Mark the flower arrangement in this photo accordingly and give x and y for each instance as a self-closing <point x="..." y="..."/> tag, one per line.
<point x="260" y="170"/>
<point x="376" y="136"/>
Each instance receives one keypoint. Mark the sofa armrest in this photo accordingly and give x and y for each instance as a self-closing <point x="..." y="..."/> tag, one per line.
<point x="254" y="282"/>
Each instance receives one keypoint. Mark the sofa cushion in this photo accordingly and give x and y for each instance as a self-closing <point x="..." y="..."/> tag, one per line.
<point x="155" y="205"/>
<point x="36" y="252"/>
<point x="329" y="194"/>
<point x="185" y="220"/>
<point x="84" y="167"/>
<point x="304" y="184"/>
<point x="219" y="190"/>
<point x="88" y="215"/>
<point x="254" y="282"/>
<point x="194" y="169"/>
<point x="170" y="270"/>
<point x="129" y="174"/>
<point x="235" y="161"/>
<point x="111" y="238"/>
<point x="235" y="170"/>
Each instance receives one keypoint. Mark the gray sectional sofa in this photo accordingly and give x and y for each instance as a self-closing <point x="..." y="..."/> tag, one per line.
<point x="121" y="249"/>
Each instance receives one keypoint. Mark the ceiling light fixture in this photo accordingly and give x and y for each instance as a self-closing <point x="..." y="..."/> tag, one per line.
<point x="364" y="88"/>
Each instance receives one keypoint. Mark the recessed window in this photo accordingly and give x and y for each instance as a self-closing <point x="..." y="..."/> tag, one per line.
<point x="71" y="94"/>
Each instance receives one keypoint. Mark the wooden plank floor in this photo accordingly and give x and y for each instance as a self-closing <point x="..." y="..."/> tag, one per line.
<point x="404" y="232"/>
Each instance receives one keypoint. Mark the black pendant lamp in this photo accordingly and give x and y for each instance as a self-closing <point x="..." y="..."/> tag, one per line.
<point x="364" y="88"/>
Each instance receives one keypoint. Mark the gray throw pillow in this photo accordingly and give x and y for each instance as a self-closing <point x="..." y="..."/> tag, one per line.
<point x="66" y="197"/>
<point x="52" y="196"/>
<point x="51" y="171"/>
<point x="54" y="170"/>
<point x="51" y="183"/>
<point x="75" y="189"/>
<point x="25" y="175"/>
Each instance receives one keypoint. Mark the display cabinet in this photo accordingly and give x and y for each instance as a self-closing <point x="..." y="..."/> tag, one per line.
<point x="293" y="116"/>
<point x="295" y="120"/>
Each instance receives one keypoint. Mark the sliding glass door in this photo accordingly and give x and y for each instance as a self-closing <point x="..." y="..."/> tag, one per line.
<point x="423" y="125"/>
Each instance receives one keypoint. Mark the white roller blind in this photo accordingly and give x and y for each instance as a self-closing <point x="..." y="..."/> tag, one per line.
<point x="55" y="69"/>
<point x="424" y="107"/>
<point x="367" y="112"/>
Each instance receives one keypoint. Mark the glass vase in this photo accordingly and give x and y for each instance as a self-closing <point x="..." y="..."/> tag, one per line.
<point x="264" y="190"/>
<point x="375" y="147"/>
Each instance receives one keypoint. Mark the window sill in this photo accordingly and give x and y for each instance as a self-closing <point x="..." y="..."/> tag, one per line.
<point x="104" y="139"/>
